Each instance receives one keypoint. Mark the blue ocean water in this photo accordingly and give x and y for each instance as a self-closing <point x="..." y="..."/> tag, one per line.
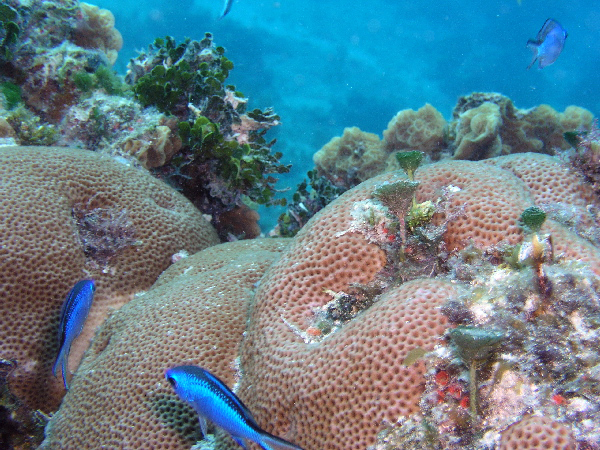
<point x="327" y="65"/>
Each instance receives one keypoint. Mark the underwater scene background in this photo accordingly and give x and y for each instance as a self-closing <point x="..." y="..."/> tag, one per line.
<point x="302" y="225"/>
<point x="325" y="66"/>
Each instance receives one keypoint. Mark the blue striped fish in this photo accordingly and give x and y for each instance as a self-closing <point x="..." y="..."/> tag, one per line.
<point x="214" y="401"/>
<point x="74" y="311"/>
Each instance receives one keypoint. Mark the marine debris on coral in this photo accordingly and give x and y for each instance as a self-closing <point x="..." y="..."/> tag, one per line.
<point x="310" y="197"/>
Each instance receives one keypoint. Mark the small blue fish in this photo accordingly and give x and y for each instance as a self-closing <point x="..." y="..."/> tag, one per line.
<point x="74" y="311"/>
<point x="548" y="44"/>
<point x="226" y="8"/>
<point x="213" y="400"/>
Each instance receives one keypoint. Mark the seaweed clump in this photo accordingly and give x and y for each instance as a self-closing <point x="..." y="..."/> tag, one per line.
<point x="225" y="161"/>
<point x="310" y="197"/>
<point x="9" y="31"/>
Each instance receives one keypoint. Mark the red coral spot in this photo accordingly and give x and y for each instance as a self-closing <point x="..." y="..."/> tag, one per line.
<point x="464" y="402"/>
<point x="442" y="378"/>
<point x="313" y="331"/>
<point x="440" y="395"/>
<point x="455" y="391"/>
<point x="559" y="399"/>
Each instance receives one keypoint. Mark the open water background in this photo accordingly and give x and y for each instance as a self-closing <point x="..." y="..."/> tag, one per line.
<point x="329" y="64"/>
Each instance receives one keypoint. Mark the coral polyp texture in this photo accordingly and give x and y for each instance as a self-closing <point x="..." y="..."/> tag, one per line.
<point x="329" y="345"/>
<point x="68" y="215"/>
<point x="537" y="433"/>
<point x="337" y="393"/>
<point x="194" y="314"/>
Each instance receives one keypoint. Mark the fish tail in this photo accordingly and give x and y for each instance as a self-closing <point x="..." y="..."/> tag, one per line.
<point x="270" y="442"/>
<point x="61" y="361"/>
<point x="64" y="373"/>
<point x="533" y="46"/>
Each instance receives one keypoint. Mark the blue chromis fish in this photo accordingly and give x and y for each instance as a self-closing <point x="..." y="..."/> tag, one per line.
<point x="226" y="8"/>
<point x="548" y="44"/>
<point x="74" y="311"/>
<point x="213" y="400"/>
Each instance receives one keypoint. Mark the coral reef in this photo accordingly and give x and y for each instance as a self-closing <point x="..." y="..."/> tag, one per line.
<point x="72" y="214"/>
<point x="423" y="130"/>
<point x="195" y="313"/>
<point x="96" y="30"/>
<point x="480" y="229"/>
<point x="176" y="117"/>
<point x="352" y="158"/>
<point x="586" y="159"/>
<point x="485" y="125"/>
<point x="368" y="333"/>
<point x="54" y="42"/>
<point x="477" y="133"/>
<point x="310" y="197"/>
<point x="122" y="128"/>
<point x="537" y="432"/>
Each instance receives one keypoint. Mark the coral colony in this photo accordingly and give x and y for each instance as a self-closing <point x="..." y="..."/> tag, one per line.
<point x="437" y="288"/>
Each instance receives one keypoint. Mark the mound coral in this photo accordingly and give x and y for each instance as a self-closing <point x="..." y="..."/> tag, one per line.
<point x="194" y="314"/>
<point x="345" y="337"/>
<point x="334" y="381"/>
<point x="537" y="433"/>
<point x="71" y="214"/>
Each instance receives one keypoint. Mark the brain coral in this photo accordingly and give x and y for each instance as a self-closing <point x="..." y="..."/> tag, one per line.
<point x="566" y="199"/>
<point x="537" y="433"/>
<point x="483" y="204"/>
<point x="69" y="214"/>
<point x="313" y="398"/>
<point x="336" y="394"/>
<point x="194" y="314"/>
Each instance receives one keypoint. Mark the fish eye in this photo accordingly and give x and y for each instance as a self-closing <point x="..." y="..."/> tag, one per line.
<point x="171" y="380"/>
